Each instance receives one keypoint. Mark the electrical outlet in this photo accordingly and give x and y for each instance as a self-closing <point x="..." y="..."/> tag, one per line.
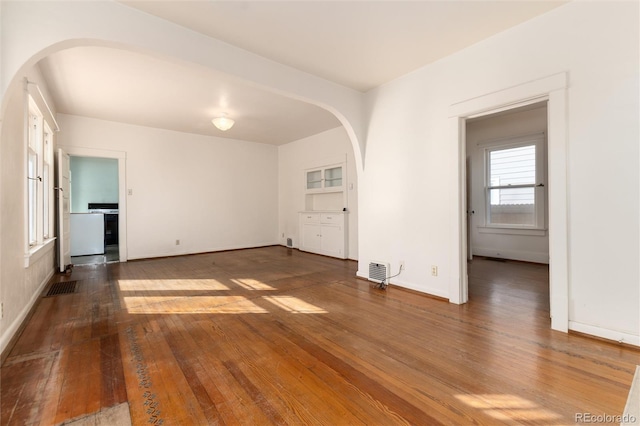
<point x="402" y="265"/>
<point x="130" y="192"/>
<point x="434" y="270"/>
<point x="177" y="242"/>
<point x="283" y="235"/>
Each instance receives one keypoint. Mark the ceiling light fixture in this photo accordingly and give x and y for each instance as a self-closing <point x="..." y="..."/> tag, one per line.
<point x="223" y="122"/>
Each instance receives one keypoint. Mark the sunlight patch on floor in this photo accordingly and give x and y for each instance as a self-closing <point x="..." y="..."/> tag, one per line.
<point x="206" y="284"/>
<point x="506" y="407"/>
<point x="190" y="305"/>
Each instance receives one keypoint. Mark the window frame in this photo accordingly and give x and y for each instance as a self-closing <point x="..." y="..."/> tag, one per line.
<point x="39" y="199"/>
<point x="47" y="182"/>
<point x="539" y="186"/>
<point x="34" y="159"/>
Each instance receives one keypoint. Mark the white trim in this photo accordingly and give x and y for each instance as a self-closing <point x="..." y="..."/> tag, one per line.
<point x="428" y="291"/>
<point x="44" y="100"/>
<point x="616" y="336"/>
<point x="149" y="255"/>
<point x="538" y="186"/>
<point x="524" y="256"/>
<point x="553" y="89"/>
<point x="509" y="230"/>
<point x="36" y="253"/>
<point x="510" y="97"/>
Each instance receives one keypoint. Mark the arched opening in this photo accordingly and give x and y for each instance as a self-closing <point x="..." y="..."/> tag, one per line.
<point x="87" y="131"/>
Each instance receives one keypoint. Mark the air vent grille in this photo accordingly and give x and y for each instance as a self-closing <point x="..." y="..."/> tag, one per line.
<point x="57" y="289"/>
<point x="378" y="272"/>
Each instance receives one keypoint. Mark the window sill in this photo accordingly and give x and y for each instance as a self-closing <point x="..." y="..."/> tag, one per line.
<point x="36" y="253"/>
<point x="511" y="231"/>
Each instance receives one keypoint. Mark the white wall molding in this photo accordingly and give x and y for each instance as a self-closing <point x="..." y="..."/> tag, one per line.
<point x="508" y="98"/>
<point x="616" y="336"/>
<point x="525" y="256"/>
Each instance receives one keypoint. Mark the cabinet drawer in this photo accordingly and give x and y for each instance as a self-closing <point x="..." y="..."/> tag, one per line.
<point x="310" y="217"/>
<point x="331" y="218"/>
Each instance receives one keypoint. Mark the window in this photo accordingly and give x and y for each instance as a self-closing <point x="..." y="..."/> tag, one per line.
<point x="515" y="184"/>
<point x="39" y="178"/>
<point x="47" y="187"/>
<point x="34" y="148"/>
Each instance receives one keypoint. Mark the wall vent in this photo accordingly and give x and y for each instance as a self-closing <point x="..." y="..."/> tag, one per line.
<point x="60" y="288"/>
<point x="289" y="242"/>
<point x="378" y="272"/>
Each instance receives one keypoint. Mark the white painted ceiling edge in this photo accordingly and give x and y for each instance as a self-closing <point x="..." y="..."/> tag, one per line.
<point x="355" y="44"/>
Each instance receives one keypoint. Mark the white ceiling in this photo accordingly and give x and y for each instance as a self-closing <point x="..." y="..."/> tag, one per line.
<point x="123" y="86"/>
<point x="359" y="44"/>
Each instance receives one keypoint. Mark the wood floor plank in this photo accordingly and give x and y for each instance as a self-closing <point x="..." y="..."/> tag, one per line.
<point x="277" y="336"/>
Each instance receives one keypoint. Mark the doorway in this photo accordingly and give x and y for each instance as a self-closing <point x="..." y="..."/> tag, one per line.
<point x="507" y="204"/>
<point x="553" y="89"/>
<point x="506" y="184"/>
<point x="94" y="210"/>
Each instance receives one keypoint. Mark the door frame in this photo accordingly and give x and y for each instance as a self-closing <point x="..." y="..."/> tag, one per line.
<point x="121" y="156"/>
<point x="553" y="89"/>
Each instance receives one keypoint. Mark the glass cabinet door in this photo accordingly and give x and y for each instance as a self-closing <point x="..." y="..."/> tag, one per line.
<point x="314" y="179"/>
<point x="333" y="177"/>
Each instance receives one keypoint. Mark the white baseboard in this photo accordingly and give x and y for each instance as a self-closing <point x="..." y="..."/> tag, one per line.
<point x="15" y="325"/>
<point x="411" y="286"/>
<point x="142" y="256"/>
<point x="525" y="256"/>
<point x="616" y="336"/>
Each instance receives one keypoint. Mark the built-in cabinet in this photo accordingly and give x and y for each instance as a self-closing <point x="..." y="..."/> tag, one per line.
<point x="323" y="224"/>
<point x="324" y="233"/>
<point x="325" y="179"/>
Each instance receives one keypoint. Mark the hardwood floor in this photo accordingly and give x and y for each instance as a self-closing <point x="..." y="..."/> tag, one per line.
<point x="277" y="336"/>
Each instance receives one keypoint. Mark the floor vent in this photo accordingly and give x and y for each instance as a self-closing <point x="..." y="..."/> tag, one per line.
<point x="57" y="289"/>
<point x="378" y="272"/>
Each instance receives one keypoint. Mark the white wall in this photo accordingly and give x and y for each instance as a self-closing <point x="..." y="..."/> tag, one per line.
<point x="20" y="285"/>
<point x="407" y="190"/>
<point x="93" y="180"/>
<point x="332" y="146"/>
<point x="530" y="248"/>
<point x="408" y="162"/>
<point x="209" y="193"/>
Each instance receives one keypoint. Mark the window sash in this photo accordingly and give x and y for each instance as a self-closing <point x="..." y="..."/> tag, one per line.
<point x="515" y="194"/>
<point x="39" y="171"/>
<point x="32" y="173"/>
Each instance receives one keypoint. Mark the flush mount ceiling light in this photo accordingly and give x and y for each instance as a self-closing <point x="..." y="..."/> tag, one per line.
<point x="223" y="122"/>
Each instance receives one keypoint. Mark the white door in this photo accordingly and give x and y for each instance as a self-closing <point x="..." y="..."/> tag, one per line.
<point x="332" y="240"/>
<point x="64" y="210"/>
<point x="310" y="237"/>
<point x="470" y="211"/>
